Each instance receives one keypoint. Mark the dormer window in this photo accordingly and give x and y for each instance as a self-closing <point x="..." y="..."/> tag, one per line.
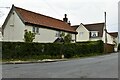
<point x="94" y="33"/>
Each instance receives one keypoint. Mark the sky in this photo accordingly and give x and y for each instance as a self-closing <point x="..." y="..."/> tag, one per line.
<point x="78" y="11"/>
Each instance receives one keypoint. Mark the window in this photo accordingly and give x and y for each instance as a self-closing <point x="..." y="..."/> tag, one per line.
<point x="35" y="30"/>
<point x="57" y="34"/>
<point x="94" y="34"/>
<point x="81" y="34"/>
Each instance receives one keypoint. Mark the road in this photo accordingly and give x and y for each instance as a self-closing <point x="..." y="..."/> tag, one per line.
<point x="94" y="67"/>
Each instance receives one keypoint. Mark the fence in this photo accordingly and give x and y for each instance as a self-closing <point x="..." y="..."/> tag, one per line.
<point x="108" y="48"/>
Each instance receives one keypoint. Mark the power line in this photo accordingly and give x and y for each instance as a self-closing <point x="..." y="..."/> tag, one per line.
<point x="5" y="7"/>
<point x="49" y="5"/>
<point x="1" y="13"/>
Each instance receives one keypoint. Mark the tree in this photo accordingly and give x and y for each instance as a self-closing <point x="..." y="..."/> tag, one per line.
<point x="62" y="35"/>
<point x="29" y="36"/>
<point x="68" y="38"/>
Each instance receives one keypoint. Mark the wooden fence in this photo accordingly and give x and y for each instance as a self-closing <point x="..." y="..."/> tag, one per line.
<point x="108" y="48"/>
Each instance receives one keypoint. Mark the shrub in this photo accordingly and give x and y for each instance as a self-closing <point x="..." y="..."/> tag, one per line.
<point x="68" y="38"/>
<point x="29" y="36"/>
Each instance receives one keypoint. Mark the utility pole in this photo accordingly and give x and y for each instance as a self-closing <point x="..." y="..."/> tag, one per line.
<point x="105" y="47"/>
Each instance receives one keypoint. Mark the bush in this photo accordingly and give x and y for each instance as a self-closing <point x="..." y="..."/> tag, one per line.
<point x="21" y="50"/>
<point x="29" y="36"/>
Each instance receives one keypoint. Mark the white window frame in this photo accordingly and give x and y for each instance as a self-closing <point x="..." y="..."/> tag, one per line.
<point x="35" y="30"/>
<point x="94" y="32"/>
<point x="57" y="34"/>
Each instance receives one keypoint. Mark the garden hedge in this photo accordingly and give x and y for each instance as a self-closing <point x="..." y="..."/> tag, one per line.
<point x="19" y="50"/>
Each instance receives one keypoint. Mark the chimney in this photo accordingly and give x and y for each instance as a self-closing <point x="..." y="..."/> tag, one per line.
<point x="65" y="18"/>
<point x="69" y="23"/>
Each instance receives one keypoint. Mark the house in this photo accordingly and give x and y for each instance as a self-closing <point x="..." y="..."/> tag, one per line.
<point x="94" y="32"/>
<point x="113" y="38"/>
<point x="89" y="32"/>
<point x="47" y="29"/>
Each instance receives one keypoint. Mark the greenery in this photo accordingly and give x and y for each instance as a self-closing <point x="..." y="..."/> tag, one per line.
<point x="62" y="35"/>
<point x="21" y="50"/>
<point x="29" y="36"/>
<point x="68" y="38"/>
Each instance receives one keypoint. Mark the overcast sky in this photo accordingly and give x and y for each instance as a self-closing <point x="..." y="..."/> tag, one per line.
<point x="78" y="11"/>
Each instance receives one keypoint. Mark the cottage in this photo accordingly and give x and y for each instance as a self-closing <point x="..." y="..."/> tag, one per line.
<point x="94" y="32"/>
<point x="89" y="32"/>
<point x="47" y="29"/>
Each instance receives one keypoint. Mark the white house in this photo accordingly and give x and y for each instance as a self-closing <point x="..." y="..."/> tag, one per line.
<point x="114" y="39"/>
<point x="89" y="32"/>
<point x="94" y="32"/>
<point x="47" y="29"/>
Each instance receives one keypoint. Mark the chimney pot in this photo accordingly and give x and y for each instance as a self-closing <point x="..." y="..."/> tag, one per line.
<point x="65" y="18"/>
<point x="69" y="23"/>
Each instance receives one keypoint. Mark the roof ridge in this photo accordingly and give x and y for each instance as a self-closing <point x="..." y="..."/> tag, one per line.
<point x="46" y="21"/>
<point x="94" y="23"/>
<point x="75" y="25"/>
<point x="39" y="14"/>
<point x="115" y="34"/>
<point x="112" y="32"/>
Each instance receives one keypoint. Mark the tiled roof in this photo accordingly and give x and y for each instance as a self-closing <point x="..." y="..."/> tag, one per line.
<point x="30" y="17"/>
<point x="75" y="26"/>
<point x="114" y="34"/>
<point x="95" y="27"/>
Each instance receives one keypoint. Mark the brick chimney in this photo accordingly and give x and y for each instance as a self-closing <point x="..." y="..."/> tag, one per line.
<point x="69" y="23"/>
<point x="65" y="18"/>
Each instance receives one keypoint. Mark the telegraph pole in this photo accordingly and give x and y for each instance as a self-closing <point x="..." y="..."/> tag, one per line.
<point x="105" y="47"/>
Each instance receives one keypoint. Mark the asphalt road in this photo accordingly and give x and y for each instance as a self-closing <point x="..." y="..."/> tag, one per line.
<point x="95" y="67"/>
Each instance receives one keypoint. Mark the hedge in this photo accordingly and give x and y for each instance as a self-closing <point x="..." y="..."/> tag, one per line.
<point x="19" y="50"/>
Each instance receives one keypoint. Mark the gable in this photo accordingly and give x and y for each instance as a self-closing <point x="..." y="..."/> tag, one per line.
<point x="12" y="11"/>
<point x="6" y="20"/>
<point x="82" y="27"/>
<point x="95" y="27"/>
